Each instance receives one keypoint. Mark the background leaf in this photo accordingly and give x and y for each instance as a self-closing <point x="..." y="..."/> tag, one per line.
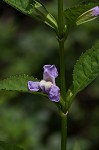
<point x="7" y="146"/>
<point x="33" y="8"/>
<point x="16" y="83"/>
<point x="86" y="69"/>
<point x="72" y="14"/>
<point x="23" y="6"/>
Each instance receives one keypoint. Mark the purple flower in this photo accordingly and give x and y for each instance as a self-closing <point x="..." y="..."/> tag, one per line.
<point x="33" y="86"/>
<point x="50" y="73"/>
<point x="54" y="93"/>
<point x="47" y="85"/>
<point x="95" y="11"/>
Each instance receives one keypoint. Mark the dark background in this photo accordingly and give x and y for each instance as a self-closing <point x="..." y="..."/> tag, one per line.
<point x="32" y="121"/>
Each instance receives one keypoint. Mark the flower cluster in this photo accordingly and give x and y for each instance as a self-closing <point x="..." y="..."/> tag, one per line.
<point x="47" y="85"/>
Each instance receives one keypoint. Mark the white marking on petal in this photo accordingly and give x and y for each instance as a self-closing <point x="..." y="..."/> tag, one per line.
<point x="46" y="85"/>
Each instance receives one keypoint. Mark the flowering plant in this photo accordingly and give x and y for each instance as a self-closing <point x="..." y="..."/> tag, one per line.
<point x="85" y="70"/>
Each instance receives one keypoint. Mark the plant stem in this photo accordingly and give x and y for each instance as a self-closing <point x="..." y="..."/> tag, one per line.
<point x="61" y="40"/>
<point x="63" y="131"/>
<point x="60" y="18"/>
<point x="61" y="48"/>
<point x="62" y="70"/>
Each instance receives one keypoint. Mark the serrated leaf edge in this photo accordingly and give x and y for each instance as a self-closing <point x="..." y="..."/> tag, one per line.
<point x="80" y="58"/>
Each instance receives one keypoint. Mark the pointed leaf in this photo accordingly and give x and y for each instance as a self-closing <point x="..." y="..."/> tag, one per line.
<point x="33" y="8"/>
<point x="16" y="83"/>
<point x="86" y="69"/>
<point x="7" y="146"/>
<point x="79" y="14"/>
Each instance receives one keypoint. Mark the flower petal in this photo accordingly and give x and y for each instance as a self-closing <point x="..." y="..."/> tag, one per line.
<point x="50" y="73"/>
<point x="33" y="86"/>
<point x="95" y="11"/>
<point x="54" y="93"/>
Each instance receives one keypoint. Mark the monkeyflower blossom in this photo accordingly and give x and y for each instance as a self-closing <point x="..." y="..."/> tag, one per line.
<point x="89" y="15"/>
<point x="47" y="85"/>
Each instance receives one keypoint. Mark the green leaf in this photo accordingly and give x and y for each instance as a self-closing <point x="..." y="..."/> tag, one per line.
<point x="86" y="69"/>
<point x="33" y="8"/>
<point x="74" y="16"/>
<point x="16" y="83"/>
<point x="7" y="146"/>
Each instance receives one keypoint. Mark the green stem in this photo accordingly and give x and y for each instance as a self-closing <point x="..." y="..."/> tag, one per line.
<point x="61" y="40"/>
<point x="62" y="70"/>
<point x="61" y="48"/>
<point x="60" y="18"/>
<point x="63" y="131"/>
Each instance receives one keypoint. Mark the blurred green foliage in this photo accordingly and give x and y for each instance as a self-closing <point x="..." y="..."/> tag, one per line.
<point x="32" y="121"/>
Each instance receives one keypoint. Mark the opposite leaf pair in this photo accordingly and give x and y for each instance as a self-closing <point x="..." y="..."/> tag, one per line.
<point x="73" y="16"/>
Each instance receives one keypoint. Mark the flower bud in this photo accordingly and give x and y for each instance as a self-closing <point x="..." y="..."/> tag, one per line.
<point x="88" y="15"/>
